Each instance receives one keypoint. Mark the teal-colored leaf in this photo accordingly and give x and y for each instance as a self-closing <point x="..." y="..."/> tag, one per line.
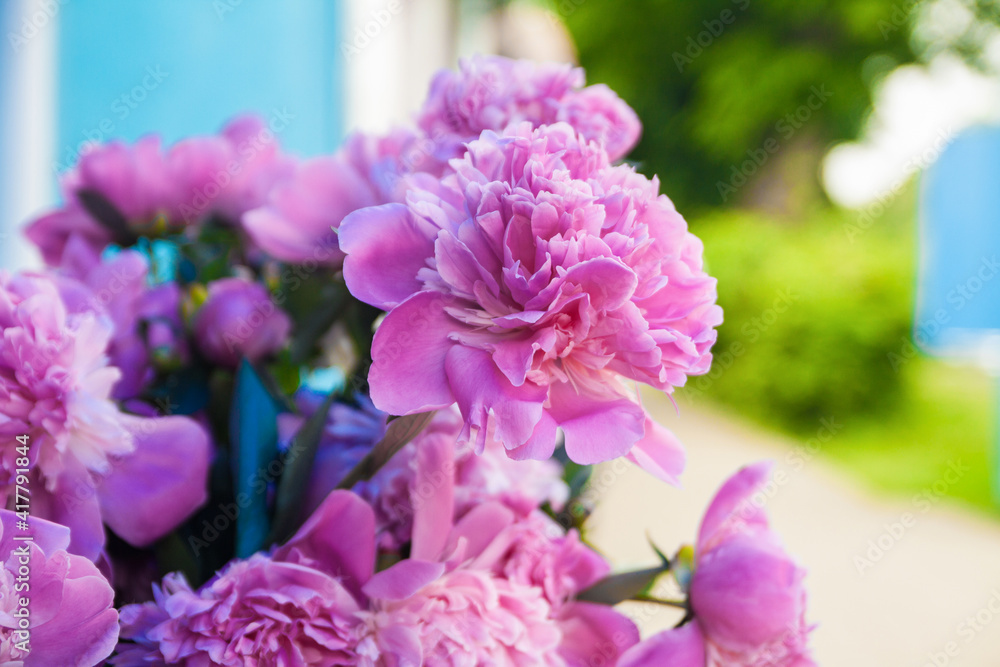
<point x="254" y="434"/>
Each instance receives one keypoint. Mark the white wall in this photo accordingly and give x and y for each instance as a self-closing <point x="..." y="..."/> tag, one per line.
<point x="27" y="127"/>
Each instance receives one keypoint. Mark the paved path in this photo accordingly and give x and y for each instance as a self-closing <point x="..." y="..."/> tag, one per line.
<point x="928" y="594"/>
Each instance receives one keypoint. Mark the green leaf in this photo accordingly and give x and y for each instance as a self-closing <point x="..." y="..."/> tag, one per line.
<point x="254" y="434"/>
<point x="401" y="430"/>
<point x="624" y="586"/>
<point x="298" y="464"/>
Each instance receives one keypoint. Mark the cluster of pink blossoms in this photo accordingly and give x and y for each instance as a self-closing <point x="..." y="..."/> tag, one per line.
<point x="156" y="383"/>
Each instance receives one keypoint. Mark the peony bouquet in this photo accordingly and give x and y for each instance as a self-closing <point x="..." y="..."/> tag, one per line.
<point x="258" y="410"/>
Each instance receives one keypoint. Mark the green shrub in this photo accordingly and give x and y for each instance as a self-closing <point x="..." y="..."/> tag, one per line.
<point x="812" y="312"/>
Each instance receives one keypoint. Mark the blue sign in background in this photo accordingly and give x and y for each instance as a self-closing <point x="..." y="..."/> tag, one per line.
<point x="183" y="67"/>
<point x="958" y="305"/>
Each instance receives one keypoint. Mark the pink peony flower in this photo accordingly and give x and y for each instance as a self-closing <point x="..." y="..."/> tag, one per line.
<point x="298" y="606"/>
<point x="491" y="588"/>
<point x="492" y="92"/>
<point x="228" y="174"/>
<point x="159" y="191"/>
<point x="390" y="162"/>
<point x="238" y="320"/>
<point x="68" y="605"/>
<point x="394" y="492"/>
<point x="746" y="593"/>
<point x="85" y="458"/>
<point x="493" y="596"/>
<point x="299" y="221"/>
<point x="531" y="288"/>
<point x="464" y="618"/>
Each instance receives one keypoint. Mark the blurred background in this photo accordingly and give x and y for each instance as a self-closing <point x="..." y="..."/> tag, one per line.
<point x="838" y="158"/>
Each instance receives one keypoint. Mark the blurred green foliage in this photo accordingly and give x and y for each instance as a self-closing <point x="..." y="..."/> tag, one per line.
<point x="714" y="79"/>
<point x="811" y="315"/>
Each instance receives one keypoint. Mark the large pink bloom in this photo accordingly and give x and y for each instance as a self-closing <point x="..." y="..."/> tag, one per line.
<point x="72" y="620"/>
<point x="491" y="92"/>
<point x="492" y="588"/>
<point x="159" y="190"/>
<point x="746" y="592"/>
<point x="298" y="606"/>
<point x="86" y="460"/>
<point x="532" y="287"/>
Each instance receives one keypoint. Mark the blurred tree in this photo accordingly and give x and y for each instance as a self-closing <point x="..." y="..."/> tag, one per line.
<point x="750" y="93"/>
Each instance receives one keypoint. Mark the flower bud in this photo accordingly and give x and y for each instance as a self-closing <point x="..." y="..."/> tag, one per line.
<point x="239" y="320"/>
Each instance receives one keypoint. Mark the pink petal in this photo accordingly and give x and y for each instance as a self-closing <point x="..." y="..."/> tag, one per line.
<point x="153" y="490"/>
<point x="609" y="283"/>
<point x="403" y="579"/>
<point x="515" y="356"/>
<point x="732" y="510"/>
<point x="479" y="528"/>
<point x="74" y="504"/>
<point x="596" y="634"/>
<point x="541" y="444"/>
<point x="339" y="538"/>
<point x="433" y="496"/>
<point x="386" y="246"/>
<point x="85" y="630"/>
<point x="596" y="429"/>
<point x="408" y="370"/>
<point x="659" y="453"/>
<point x="50" y="537"/>
<point x="681" y="647"/>
<point x="299" y="221"/>
<point x="748" y="594"/>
